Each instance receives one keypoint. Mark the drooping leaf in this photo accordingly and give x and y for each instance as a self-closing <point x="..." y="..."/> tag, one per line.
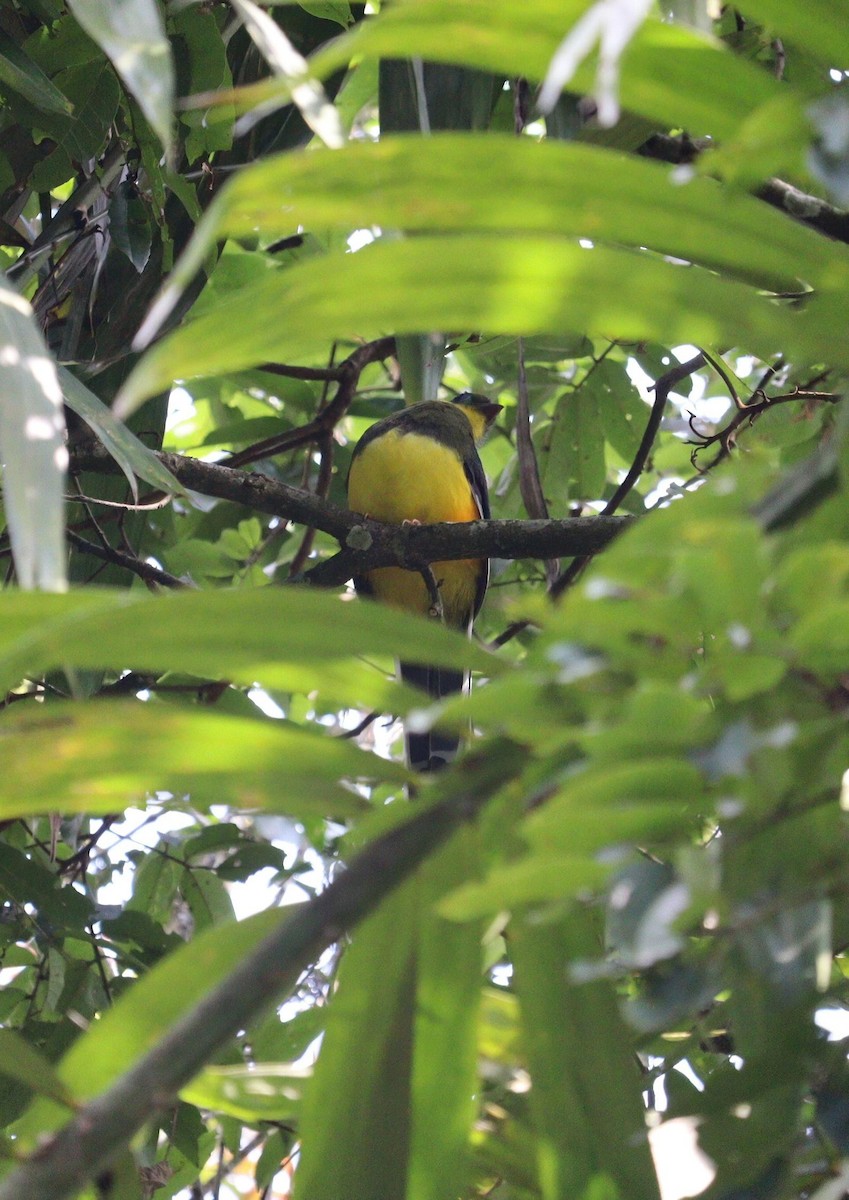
<point x="521" y="284"/>
<point x="133" y="37"/>
<point x="611" y="197"/>
<point x="275" y="635"/>
<point x="586" y="1088"/>
<point x="356" y="1110"/>
<point x="19" y="73"/>
<point x="32" y="447"/>
<point x="671" y="73"/>
<point x="134" y="458"/>
<point x="99" y="757"/>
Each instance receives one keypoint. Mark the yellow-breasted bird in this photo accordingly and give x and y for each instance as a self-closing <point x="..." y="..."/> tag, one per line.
<point x="421" y="465"/>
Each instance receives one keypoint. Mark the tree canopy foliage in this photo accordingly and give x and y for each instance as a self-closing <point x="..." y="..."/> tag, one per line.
<point x="239" y="946"/>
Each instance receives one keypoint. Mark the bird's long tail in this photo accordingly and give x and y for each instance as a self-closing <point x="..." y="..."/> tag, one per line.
<point x="432" y="750"/>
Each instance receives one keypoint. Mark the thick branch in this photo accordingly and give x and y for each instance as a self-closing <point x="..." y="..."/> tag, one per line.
<point x="61" y="1166"/>
<point x="372" y="544"/>
<point x="367" y="544"/>
<point x="810" y="210"/>
<point x="241" y="487"/>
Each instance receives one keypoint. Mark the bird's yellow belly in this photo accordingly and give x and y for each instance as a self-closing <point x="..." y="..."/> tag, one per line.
<point x="406" y="477"/>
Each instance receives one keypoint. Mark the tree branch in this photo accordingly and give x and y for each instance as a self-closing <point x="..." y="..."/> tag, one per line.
<point x="662" y="388"/>
<point x="145" y="570"/>
<point x="99" y="1130"/>
<point x="372" y="544"/>
<point x="347" y="374"/>
<point x="810" y="210"/>
<point x="367" y="544"/>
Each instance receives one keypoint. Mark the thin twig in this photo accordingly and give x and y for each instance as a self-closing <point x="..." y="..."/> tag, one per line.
<point x="347" y="374"/>
<point x="662" y="388"/>
<point x="145" y="570"/>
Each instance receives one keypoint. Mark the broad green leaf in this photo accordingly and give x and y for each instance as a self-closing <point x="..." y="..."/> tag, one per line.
<point x="820" y="639"/>
<point x="744" y="674"/>
<point x="98" y="757"/>
<point x="771" y="141"/>
<point x="129" y="224"/>
<point x="827" y="562"/>
<point x="330" y="10"/>
<point x="132" y="35"/>
<point x="449" y="976"/>
<point x="573" y="451"/>
<point x="143" y="1014"/>
<point x="535" y="879"/>
<point x="132" y="456"/>
<point x="586" y="1087"/>
<point x="94" y="90"/>
<point x="207" y="897"/>
<point x="32" y="447"/>
<point x="282" y="637"/>
<point x="501" y="285"/>
<point x="155" y="885"/>
<point x="820" y="28"/>
<point x="671" y="780"/>
<point x="20" y="74"/>
<point x="26" y="878"/>
<point x="22" y="1062"/>
<point x="670" y="74"/>
<point x="198" y="45"/>
<point x="356" y="1117"/>
<point x="254" y="1092"/>
<point x="608" y="197"/>
<point x="624" y="414"/>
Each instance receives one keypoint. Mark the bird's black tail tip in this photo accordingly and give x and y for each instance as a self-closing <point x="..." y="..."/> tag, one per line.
<point x="433" y="750"/>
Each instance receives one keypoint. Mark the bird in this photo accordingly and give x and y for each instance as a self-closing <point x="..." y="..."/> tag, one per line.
<point x="421" y="466"/>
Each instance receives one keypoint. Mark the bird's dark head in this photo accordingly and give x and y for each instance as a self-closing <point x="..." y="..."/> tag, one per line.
<point x="480" y="411"/>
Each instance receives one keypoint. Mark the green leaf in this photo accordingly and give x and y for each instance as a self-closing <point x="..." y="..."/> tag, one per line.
<point x="820" y="639"/>
<point x="200" y="48"/>
<point x="20" y="74"/>
<point x="285" y="61"/>
<point x="155" y="885"/>
<point x="573" y="453"/>
<point x="820" y="28"/>
<point x="143" y="1014"/>
<point x="670" y="74"/>
<point x="207" y="897"/>
<point x="132" y="456"/>
<point x="476" y="281"/>
<point x="32" y="447"/>
<point x="827" y="562"/>
<point x="257" y="1092"/>
<point x="100" y="756"/>
<point x="421" y="360"/>
<point x="535" y="879"/>
<point x="283" y="637"/>
<point x="449" y="975"/>
<point x="28" y="881"/>
<point x="129" y="225"/>
<point x="611" y="197"/>
<point x="355" y="1127"/>
<point x="133" y="37"/>
<point x="623" y="412"/>
<point x="585" y="1094"/>
<point x="21" y="1062"/>
<point x="677" y="783"/>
